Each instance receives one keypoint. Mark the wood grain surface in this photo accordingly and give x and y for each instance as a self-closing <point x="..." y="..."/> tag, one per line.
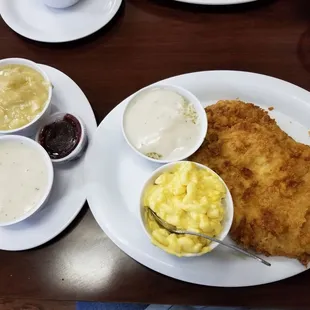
<point x="28" y="304"/>
<point x="147" y="41"/>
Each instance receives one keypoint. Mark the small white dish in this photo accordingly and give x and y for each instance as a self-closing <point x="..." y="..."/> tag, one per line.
<point x="69" y="189"/>
<point x="29" y="143"/>
<point x="36" y="21"/>
<point x="191" y="98"/>
<point x="60" y="4"/>
<point x="80" y="147"/>
<point x="30" y="128"/>
<point x="227" y="204"/>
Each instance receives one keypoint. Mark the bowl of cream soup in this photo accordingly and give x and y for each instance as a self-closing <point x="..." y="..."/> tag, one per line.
<point x="164" y="123"/>
<point x="26" y="178"/>
<point x="25" y="96"/>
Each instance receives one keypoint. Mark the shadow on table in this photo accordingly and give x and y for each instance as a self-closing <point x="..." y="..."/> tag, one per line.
<point x="110" y="29"/>
<point x="196" y="8"/>
<point x="152" y="287"/>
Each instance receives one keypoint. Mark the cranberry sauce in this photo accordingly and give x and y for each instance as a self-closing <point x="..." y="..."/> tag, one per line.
<point x="61" y="137"/>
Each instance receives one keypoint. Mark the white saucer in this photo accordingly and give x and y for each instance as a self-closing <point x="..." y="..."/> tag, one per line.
<point x="34" y="20"/>
<point x="68" y="194"/>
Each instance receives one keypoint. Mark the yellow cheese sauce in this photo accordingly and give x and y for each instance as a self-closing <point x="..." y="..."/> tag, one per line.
<point x="189" y="198"/>
<point x="23" y="95"/>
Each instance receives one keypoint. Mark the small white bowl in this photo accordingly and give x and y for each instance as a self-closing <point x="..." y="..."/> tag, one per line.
<point x="30" y="128"/>
<point x="79" y="149"/>
<point x="192" y="99"/>
<point x="227" y="204"/>
<point x="60" y="4"/>
<point x="50" y="174"/>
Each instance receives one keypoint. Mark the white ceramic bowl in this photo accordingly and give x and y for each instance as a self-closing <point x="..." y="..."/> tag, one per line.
<point x="192" y="99"/>
<point x="227" y="204"/>
<point x="79" y="149"/>
<point x="50" y="173"/>
<point x="60" y="4"/>
<point x="30" y="128"/>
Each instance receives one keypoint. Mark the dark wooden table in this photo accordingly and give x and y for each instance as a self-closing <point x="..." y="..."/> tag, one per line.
<point x="147" y="41"/>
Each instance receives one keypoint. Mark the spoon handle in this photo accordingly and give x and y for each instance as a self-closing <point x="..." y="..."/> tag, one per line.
<point x="233" y="247"/>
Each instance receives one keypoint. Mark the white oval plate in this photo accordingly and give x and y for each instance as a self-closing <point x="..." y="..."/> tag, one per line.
<point x="216" y="2"/>
<point x="115" y="176"/>
<point x="34" y="20"/>
<point x="69" y="193"/>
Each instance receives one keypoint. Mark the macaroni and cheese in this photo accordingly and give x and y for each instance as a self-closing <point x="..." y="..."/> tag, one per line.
<point x="189" y="198"/>
<point x="23" y="95"/>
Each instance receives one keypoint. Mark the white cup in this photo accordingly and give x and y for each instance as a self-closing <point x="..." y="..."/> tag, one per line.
<point x="60" y="4"/>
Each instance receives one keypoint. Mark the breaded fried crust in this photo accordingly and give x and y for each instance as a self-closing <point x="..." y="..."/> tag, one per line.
<point x="268" y="174"/>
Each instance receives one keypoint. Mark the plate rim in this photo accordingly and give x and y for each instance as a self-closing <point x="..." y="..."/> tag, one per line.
<point x="133" y="252"/>
<point x="116" y="7"/>
<point x="79" y="208"/>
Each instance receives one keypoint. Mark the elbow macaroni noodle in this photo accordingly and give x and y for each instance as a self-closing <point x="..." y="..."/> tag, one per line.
<point x="189" y="198"/>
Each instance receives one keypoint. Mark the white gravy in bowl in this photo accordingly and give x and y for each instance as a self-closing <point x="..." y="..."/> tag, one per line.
<point x="23" y="179"/>
<point x="162" y="124"/>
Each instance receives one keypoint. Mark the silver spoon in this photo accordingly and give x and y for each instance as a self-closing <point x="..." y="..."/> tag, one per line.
<point x="173" y="229"/>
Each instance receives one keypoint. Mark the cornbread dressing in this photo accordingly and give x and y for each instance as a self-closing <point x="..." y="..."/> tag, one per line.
<point x="23" y="95"/>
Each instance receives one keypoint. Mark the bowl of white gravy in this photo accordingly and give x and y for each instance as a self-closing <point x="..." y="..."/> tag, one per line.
<point x="26" y="178"/>
<point x="164" y="123"/>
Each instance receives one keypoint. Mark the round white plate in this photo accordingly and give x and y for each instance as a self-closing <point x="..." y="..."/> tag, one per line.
<point x="115" y="175"/>
<point x="69" y="193"/>
<point x="34" y="20"/>
<point x="216" y="2"/>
